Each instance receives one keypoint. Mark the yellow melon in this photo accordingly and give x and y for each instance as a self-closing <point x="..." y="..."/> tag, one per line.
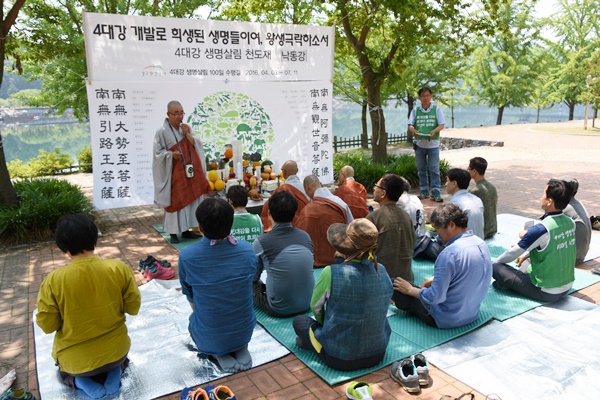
<point x="213" y="175"/>
<point x="212" y="185"/>
<point x="219" y="185"/>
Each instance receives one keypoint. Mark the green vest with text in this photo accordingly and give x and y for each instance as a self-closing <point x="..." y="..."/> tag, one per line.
<point x="425" y="122"/>
<point x="554" y="265"/>
<point x="246" y="227"/>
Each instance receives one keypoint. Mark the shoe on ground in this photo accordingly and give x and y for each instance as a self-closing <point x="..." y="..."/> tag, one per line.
<point x="174" y="239"/>
<point x="422" y="367"/>
<point x="423" y="195"/>
<point x="359" y="391"/>
<point x="18" y="394"/>
<point x="193" y="394"/>
<point x="219" y="393"/>
<point x="190" y="235"/>
<point x="595" y="223"/>
<point x="436" y="196"/>
<point x="161" y="273"/>
<point x="144" y="263"/>
<point x="405" y="373"/>
<point x="596" y="270"/>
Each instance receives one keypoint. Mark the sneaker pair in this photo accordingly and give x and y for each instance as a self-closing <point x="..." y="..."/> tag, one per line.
<point x="436" y="196"/>
<point x="424" y="194"/>
<point x="18" y="394"/>
<point x="157" y="271"/>
<point x="145" y="263"/>
<point x="359" y="391"/>
<point x="411" y="373"/>
<point x="208" y="393"/>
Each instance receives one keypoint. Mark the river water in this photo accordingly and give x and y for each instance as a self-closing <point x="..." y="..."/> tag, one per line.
<point x="23" y="140"/>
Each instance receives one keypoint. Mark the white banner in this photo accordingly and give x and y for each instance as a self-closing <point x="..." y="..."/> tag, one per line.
<point x="159" y="49"/>
<point x="280" y="120"/>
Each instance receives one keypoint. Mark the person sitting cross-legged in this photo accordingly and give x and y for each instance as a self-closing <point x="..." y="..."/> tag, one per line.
<point x="216" y="277"/>
<point x="461" y="275"/>
<point x="350" y="302"/>
<point x="286" y="254"/>
<point x="545" y="254"/>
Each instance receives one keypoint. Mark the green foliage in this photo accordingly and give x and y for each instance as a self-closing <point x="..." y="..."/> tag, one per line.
<point x="503" y="72"/>
<point x="368" y="173"/>
<point x="45" y="164"/>
<point x="41" y="203"/>
<point x="85" y="159"/>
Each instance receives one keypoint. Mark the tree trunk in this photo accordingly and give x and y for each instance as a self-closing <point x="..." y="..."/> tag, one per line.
<point x="538" y="115"/>
<point x="571" y="110"/>
<point x="500" y="112"/>
<point x="410" y="102"/>
<point x="452" y="114"/>
<point x="364" y="138"/>
<point x="378" y="133"/>
<point x="8" y="196"/>
<point x="7" y="191"/>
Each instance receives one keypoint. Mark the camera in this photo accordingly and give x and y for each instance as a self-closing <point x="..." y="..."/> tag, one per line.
<point x="189" y="170"/>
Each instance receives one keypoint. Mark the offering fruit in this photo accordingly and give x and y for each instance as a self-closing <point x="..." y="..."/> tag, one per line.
<point x="213" y="175"/>
<point x="229" y="153"/>
<point x="273" y="176"/>
<point x="254" y="195"/>
<point x="212" y="185"/>
<point x="219" y="185"/>
<point x="252" y="182"/>
<point x="265" y="176"/>
<point x="267" y="170"/>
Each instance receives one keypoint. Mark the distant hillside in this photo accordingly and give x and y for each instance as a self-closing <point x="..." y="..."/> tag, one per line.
<point x="13" y="83"/>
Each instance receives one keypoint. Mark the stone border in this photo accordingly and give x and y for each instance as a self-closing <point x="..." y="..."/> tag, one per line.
<point x="448" y="143"/>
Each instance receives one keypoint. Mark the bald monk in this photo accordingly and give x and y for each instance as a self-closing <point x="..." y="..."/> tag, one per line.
<point x="318" y="215"/>
<point x="353" y="193"/>
<point x="292" y="184"/>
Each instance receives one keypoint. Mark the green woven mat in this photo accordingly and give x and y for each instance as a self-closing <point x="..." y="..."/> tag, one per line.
<point x="409" y="336"/>
<point x="183" y="242"/>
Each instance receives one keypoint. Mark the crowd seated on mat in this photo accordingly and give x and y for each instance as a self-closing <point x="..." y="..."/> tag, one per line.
<point x="216" y="277"/>
<point x="346" y="336"/>
<point x="286" y="254"/>
<point x="85" y="303"/>
<point x="546" y="252"/>
<point x="461" y="277"/>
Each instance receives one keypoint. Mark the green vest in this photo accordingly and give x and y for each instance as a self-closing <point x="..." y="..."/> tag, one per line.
<point x="425" y="122"/>
<point x="554" y="266"/>
<point x="246" y="227"/>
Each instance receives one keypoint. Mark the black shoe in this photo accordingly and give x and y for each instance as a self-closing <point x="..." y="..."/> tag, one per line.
<point x="190" y="235"/>
<point x="174" y="239"/>
<point x="144" y="263"/>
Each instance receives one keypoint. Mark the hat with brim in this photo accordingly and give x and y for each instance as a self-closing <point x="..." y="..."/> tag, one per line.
<point x="354" y="240"/>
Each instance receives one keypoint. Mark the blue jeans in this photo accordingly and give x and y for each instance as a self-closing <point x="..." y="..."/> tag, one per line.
<point x="428" y="159"/>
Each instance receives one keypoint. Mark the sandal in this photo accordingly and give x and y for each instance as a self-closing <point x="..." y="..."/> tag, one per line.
<point x="461" y="397"/>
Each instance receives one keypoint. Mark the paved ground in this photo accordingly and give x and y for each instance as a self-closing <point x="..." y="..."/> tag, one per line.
<point x="520" y="170"/>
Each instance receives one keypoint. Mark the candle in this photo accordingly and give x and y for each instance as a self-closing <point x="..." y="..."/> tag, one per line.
<point x="238" y="170"/>
<point x="257" y="172"/>
<point x="275" y="169"/>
